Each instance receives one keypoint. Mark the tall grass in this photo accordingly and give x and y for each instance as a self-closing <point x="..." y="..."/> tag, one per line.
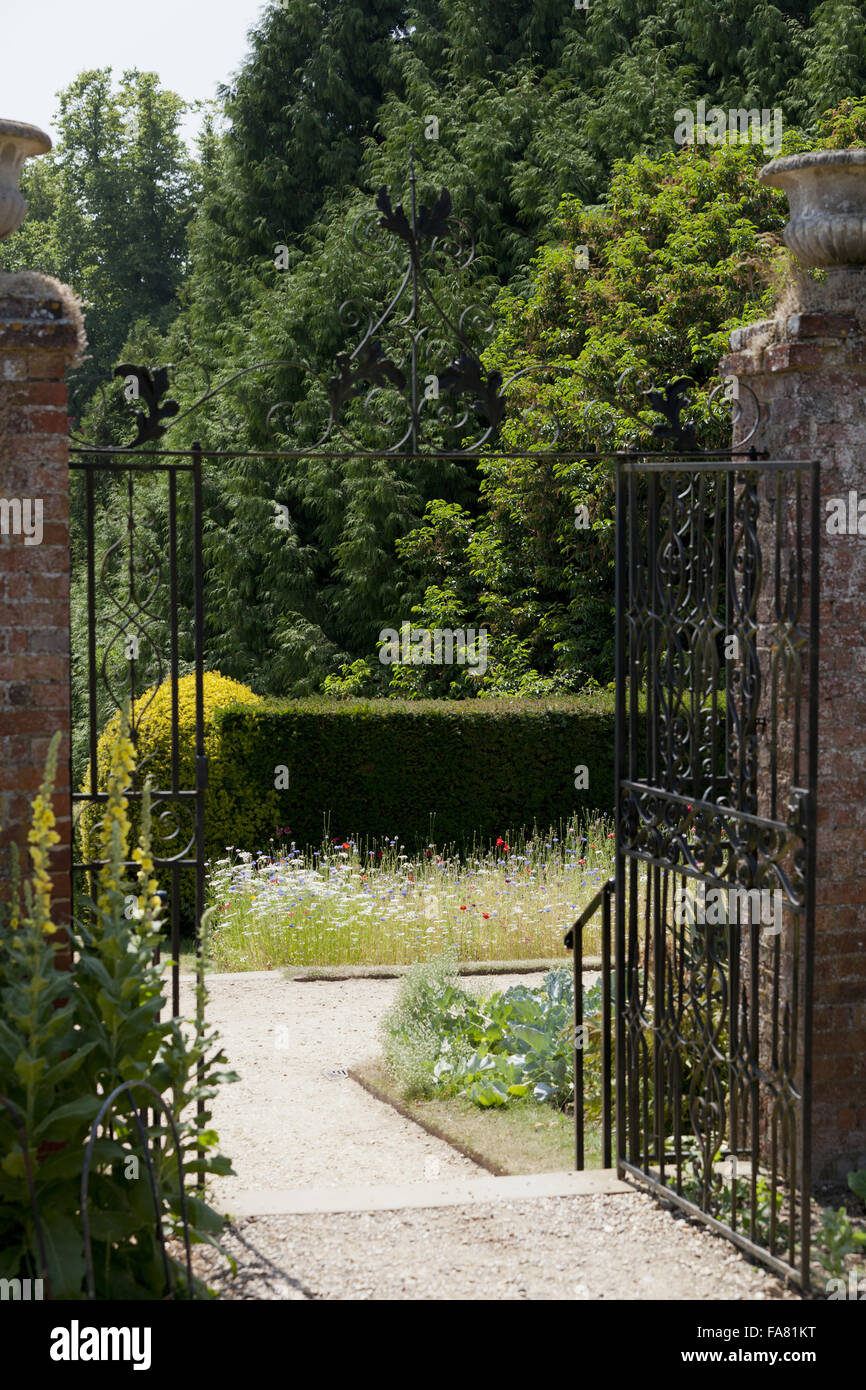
<point x="347" y="904"/>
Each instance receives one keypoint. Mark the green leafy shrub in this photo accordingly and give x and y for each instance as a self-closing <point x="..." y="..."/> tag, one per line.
<point x="153" y="755"/>
<point x="857" y="1183"/>
<point x="837" y="1240"/>
<point x="429" y="1001"/>
<point x="68" y="1039"/>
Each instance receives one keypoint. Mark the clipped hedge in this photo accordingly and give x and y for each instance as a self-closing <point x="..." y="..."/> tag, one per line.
<point x="417" y="770"/>
<point x="446" y="771"/>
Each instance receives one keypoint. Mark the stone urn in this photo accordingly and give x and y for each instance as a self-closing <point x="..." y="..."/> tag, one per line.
<point x="17" y="143"/>
<point x="827" y="196"/>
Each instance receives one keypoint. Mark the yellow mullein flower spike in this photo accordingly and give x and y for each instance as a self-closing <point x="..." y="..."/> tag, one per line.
<point x="41" y="838"/>
<point x="116" y="827"/>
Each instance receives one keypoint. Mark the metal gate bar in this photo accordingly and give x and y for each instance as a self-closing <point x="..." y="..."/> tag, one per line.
<point x="574" y="943"/>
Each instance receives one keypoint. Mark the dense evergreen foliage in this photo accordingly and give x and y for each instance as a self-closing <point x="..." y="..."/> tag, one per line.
<point x="555" y="131"/>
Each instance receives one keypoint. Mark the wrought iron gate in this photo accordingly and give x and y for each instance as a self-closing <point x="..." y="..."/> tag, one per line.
<point x="716" y="629"/>
<point x="141" y="590"/>
<point x="717" y="638"/>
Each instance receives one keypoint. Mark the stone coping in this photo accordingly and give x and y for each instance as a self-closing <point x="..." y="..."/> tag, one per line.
<point x="38" y="311"/>
<point x="39" y="142"/>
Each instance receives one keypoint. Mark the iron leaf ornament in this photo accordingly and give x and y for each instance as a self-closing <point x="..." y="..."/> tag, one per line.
<point x="466" y="377"/>
<point x="370" y="366"/>
<point x="429" y="222"/>
<point x="433" y="222"/>
<point x="393" y="219"/>
<point x="671" y="402"/>
<point x="150" y="388"/>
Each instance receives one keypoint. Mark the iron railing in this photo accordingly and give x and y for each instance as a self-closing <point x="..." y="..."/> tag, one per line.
<point x="574" y="943"/>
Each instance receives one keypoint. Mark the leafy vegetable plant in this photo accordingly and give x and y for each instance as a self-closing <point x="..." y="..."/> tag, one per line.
<point x="513" y="1045"/>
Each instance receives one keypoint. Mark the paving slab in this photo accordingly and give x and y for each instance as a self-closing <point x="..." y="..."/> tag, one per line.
<point x="458" y="1192"/>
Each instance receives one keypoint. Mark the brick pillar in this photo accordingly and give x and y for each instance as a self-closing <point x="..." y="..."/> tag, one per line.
<point x="807" y="368"/>
<point x="41" y="333"/>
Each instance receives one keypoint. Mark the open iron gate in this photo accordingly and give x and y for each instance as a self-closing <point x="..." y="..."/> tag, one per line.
<point x="717" y="647"/>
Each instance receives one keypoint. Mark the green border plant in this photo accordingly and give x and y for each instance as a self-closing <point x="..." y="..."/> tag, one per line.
<point x="68" y="1038"/>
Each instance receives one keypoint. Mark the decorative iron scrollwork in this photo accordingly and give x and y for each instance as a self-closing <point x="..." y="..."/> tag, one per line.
<point x="417" y="350"/>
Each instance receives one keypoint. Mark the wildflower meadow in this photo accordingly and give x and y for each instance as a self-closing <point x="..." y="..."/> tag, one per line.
<point x="347" y="903"/>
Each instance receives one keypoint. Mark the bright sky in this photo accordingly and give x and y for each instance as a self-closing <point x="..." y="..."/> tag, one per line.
<point x="191" y="44"/>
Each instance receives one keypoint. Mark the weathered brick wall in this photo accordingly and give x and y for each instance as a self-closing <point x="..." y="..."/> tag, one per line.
<point x="808" y="369"/>
<point x="41" y="333"/>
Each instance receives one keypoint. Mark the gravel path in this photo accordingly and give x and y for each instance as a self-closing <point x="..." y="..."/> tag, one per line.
<point x="604" y="1247"/>
<point x="284" y="1124"/>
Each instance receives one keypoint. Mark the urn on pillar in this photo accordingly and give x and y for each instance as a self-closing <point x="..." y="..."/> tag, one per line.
<point x="826" y="192"/>
<point x="17" y="143"/>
